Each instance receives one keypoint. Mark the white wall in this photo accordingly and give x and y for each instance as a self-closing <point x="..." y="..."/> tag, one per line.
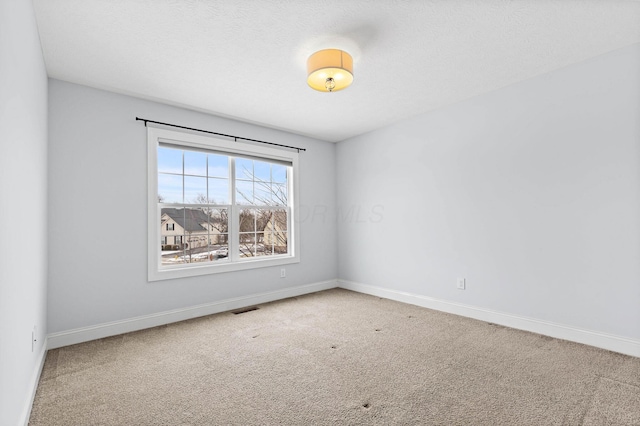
<point x="23" y="207"/>
<point x="98" y="175"/>
<point x="531" y="192"/>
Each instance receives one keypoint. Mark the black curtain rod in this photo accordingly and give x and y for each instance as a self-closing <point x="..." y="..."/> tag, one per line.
<point x="218" y="134"/>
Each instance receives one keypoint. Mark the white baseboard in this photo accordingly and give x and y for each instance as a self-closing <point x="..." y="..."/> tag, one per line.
<point x="598" y="339"/>
<point x="33" y="385"/>
<point x="85" y="334"/>
<point x="610" y="342"/>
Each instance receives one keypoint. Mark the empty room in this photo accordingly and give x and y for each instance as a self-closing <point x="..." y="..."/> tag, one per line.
<point x="229" y="212"/>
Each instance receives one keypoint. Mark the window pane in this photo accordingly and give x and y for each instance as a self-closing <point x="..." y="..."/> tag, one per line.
<point x="244" y="169"/>
<point x="275" y="235"/>
<point x="196" y="235"/>
<point x="219" y="248"/>
<point x="217" y="241"/>
<point x="279" y="173"/>
<point x="195" y="163"/>
<point x="247" y="244"/>
<point x="262" y="194"/>
<point x="170" y="227"/>
<point x="268" y="246"/>
<point x="279" y="194"/>
<point x="262" y="171"/>
<point x="195" y="190"/>
<point x="279" y="220"/>
<point x="196" y="221"/>
<point x="259" y="248"/>
<point x="169" y="160"/>
<point x="247" y="220"/>
<point x="218" y="222"/>
<point x="276" y="242"/>
<point x="280" y="243"/>
<point x="169" y="188"/>
<point x="263" y="219"/>
<point x="244" y="192"/>
<point x="218" y="191"/>
<point x="173" y="257"/>
<point x="171" y="236"/>
<point x="197" y="246"/>
<point x="218" y="166"/>
<point x="218" y="235"/>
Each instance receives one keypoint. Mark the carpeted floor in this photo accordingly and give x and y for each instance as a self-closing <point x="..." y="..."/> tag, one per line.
<point x="336" y="357"/>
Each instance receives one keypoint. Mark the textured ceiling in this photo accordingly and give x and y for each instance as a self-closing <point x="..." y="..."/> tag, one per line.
<point x="246" y="59"/>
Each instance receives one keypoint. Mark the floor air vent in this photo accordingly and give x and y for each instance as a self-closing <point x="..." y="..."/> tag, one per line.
<point x="243" y="310"/>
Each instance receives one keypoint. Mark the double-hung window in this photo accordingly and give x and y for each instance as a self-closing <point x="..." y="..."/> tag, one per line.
<point x="225" y="205"/>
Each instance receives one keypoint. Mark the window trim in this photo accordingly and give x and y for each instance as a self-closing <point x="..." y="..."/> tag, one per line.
<point x="155" y="136"/>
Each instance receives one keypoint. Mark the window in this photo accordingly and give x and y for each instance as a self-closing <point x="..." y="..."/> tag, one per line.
<point x="226" y="205"/>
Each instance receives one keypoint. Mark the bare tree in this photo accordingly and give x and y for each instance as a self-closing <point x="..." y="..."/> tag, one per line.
<point x="273" y="221"/>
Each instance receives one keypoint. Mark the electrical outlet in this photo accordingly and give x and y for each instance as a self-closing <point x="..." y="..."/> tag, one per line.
<point x="283" y="273"/>
<point x="461" y="284"/>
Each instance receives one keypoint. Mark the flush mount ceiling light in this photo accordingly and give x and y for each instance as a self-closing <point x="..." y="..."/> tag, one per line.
<point x="330" y="70"/>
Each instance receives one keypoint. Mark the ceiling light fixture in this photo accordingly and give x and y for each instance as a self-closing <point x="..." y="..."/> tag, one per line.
<point x="330" y="70"/>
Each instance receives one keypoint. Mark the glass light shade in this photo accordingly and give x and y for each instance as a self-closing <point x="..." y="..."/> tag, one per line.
<point x="330" y="70"/>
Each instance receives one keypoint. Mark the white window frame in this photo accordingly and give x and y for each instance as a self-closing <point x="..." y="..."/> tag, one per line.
<point x="156" y="271"/>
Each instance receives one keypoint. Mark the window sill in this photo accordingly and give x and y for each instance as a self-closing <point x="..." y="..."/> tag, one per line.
<point x="208" y="269"/>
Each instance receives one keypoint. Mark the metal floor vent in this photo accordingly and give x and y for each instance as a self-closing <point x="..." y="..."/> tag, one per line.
<point x="243" y="310"/>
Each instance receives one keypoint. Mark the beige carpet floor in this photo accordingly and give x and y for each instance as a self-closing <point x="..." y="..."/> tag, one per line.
<point x="336" y="357"/>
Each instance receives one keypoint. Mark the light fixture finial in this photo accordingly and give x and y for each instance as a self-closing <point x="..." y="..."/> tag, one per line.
<point x="330" y="84"/>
